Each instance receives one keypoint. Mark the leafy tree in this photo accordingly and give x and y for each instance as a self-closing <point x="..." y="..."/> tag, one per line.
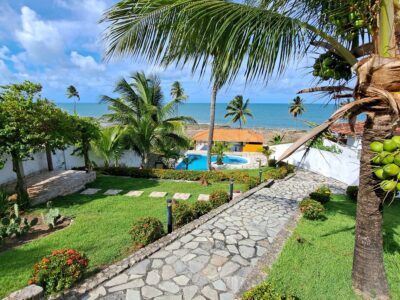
<point x="277" y="139"/>
<point x="296" y="108"/>
<point x="219" y="150"/>
<point x="268" y="151"/>
<point x="238" y="110"/>
<point x="72" y="92"/>
<point x="262" y="38"/>
<point x="109" y="145"/>
<point x="86" y="130"/>
<point x="187" y="160"/>
<point x="150" y="124"/>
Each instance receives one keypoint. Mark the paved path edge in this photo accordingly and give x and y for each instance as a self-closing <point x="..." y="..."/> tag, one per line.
<point x="122" y="265"/>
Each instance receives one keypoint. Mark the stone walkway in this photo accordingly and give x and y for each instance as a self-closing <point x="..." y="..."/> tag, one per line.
<point x="215" y="260"/>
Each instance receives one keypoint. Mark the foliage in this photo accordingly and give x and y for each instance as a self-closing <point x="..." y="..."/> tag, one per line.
<point x="296" y="108"/>
<point x="109" y="145"/>
<point x="15" y="225"/>
<point x="4" y="202"/>
<point x="352" y="192"/>
<point x="311" y="209"/>
<point x="72" y="92"/>
<point x="218" y="149"/>
<point x="151" y="124"/>
<point x="51" y="217"/>
<point x="265" y="291"/>
<point x="182" y="213"/>
<point x="218" y="198"/>
<point x="178" y="92"/>
<point x="277" y="139"/>
<point x="201" y="208"/>
<point x="322" y="195"/>
<point x="318" y="143"/>
<point x="60" y="270"/>
<point x="331" y="66"/>
<point x="146" y="230"/>
<point x="187" y="160"/>
<point x="238" y="110"/>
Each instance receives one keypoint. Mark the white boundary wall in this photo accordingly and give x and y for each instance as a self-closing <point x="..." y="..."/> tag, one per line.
<point x="344" y="167"/>
<point x="61" y="160"/>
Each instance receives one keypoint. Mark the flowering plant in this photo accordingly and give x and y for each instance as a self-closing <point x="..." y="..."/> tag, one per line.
<point x="145" y="231"/>
<point x="59" y="270"/>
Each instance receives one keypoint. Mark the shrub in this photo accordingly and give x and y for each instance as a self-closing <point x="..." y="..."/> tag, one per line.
<point x="201" y="208"/>
<point x="145" y="231"/>
<point x="4" y="203"/>
<point x="182" y="214"/>
<point x="60" y="270"/>
<point x="218" y="198"/>
<point x="322" y="194"/>
<point x="352" y="192"/>
<point x="311" y="209"/>
<point x="272" y="162"/>
<point x="265" y="291"/>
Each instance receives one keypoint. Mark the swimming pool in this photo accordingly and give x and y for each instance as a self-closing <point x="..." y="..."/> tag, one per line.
<point x="199" y="162"/>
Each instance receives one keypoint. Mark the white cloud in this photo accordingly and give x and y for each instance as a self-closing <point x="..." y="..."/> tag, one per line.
<point x="85" y="63"/>
<point x="41" y="40"/>
<point x="4" y="51"/>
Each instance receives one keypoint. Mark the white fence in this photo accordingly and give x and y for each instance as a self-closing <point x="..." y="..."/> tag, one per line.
<point x="344" y="167"/>
<point x="61" y="160"/>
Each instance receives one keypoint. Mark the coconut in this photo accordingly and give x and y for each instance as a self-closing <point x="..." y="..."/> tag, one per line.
<point x="376" y="147"/>
<point x="386" y="157"/>
<point x="391" y="170"/>
<point x="377" y="160"/>
<point x="396" y="139"/>
<point x="380" y="174"/>
<point x="397" y="159"/>
<point x="398" y="186"/>
<point x="389" y="145"/>
<point x="388" y="185"/>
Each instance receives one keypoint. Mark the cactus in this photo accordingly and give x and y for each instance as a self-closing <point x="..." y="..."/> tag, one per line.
<point x="15" y="225"/>
<point x="51" y="217"/>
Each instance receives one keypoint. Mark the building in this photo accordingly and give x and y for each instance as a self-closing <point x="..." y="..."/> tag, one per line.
<point x="242" y="140"/>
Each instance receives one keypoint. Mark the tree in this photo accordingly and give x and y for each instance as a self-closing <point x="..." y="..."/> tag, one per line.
<point x="219" y="150"/>
<point x="72" y="92"/>
<point x="109" y="145"/>
<point x="178" y="92"/>
<point x="268" y="151"/>
<point x="238" y="110"/>
<point x="296" y="108"/>
<point x="150" y="124"/>
<point x="187" y="160"/>
<point x="243" y="37"/>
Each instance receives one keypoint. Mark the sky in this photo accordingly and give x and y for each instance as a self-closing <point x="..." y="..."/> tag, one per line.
<point x="59" y="43"/>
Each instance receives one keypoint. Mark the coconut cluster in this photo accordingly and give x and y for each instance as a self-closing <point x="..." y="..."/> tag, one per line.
<point x="387" y="162"/>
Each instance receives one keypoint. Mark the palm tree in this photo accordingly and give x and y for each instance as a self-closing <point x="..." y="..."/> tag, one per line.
<point x="73" y="92"/>
<point x="296" y="108"/>
<point x="219" y="150"/>
<point x="109" y="145"/>
<point x="150" y="124"/>
<point x="238" y="110"/>
<point x="178" y="92"/>
<point x="262" y="38"/>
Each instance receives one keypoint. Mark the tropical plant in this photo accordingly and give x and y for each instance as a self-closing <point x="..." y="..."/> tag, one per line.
<point x="277" y="139"/>
<point x="219" y="150"/>
<point x="262" y="38"/>
<point x="178" y="92"/>
<point x="268" y="151"/>
<point x="296" y="108"/>
<point x="150" y="124"/>
<point x="109" y="146"/>
<point x="72" y="92"/>
<point x="238" y="110"/>
<point x="187" y="160"/>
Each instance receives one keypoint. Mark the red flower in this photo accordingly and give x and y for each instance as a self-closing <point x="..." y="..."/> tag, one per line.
<point x="70" y="262"/>
<point x="45" y="260"/>
<point x="145" y="225"/>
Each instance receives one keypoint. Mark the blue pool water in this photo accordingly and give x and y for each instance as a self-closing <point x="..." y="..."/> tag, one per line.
<point x="199" y="162"/>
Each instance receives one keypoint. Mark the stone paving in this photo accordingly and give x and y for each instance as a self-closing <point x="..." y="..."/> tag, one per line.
<point x="215" y="260"/>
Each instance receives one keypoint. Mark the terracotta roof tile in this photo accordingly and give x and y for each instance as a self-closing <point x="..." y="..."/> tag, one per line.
<point x="231" y="135"/>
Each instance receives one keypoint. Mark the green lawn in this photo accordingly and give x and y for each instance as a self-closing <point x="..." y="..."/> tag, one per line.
<point x="100" y="227"/>
<point x="320" y="268"/>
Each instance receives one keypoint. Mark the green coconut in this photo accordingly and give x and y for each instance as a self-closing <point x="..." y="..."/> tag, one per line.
<point x="391" y="170"/>
<point x="376" y="147"/>
<point x="388" y="185"/>
<point x="377" y="160"/>
<point x="396" y="139"/>
<point x="386" y="157"/>
<point x="389" y="145"/>
<point x="398" y="186"/>
<point x="380" y="174"/>
<point x="397" y="159"/>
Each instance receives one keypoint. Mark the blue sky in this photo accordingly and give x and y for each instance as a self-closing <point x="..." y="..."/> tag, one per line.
<point x="58" y="43"/>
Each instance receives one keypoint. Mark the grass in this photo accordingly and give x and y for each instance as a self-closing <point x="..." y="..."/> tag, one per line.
<point x="100" y="227"/>
<point x="320" y="267"/>
<point x="250" y="172"/>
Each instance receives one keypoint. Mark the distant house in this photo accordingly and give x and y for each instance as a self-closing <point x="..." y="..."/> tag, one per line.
<point x="242" y="140"/>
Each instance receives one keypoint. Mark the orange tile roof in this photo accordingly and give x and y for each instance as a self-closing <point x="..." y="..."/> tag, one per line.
<point x="231" y="135"/>
<point x="344" y="128"/>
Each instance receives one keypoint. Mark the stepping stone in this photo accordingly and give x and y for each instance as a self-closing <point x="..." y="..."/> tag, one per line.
<point x="112" y="192"/>
<point x="203" y="197"/>
<point x="158" y="194"/>
<point x="90" y="191"/>
<point x="181" y="196"/>
<point x="134" y="193"/>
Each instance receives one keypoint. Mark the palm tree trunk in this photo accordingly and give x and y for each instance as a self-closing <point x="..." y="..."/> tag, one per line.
<point x="86" y="158"/>
<point x="212" y="123"/>
<point x="49" y="158"/>
<point x="369" y="276"/>
<point x="21" y="188"/>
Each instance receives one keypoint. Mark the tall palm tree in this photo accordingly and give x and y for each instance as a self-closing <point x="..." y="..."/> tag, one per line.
<point x="219" y="150"/>
<point x="150" y="124"/>
<point x="178" y="92"/>
<point x="72" y="92"/>
<point x="262" y="38"/>
<point x="238" y="110"/>
<point x="296" y="108"/>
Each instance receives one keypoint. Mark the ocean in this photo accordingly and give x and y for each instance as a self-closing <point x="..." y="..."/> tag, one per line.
<point x="266" y="115"/>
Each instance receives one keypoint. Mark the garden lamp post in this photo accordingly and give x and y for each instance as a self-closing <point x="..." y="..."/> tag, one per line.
<point x="169" y="215"/>
<point x="231" y="190"/>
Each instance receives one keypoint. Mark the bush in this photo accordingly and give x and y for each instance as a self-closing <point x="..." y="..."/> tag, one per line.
<point x="60" y="270"/>
<point x="265" y="291"/>
<point x="352" y="192"/>
<point x="182" y="213"/>
<point x="311" y="209"/>
<point x="145" y="231"/>
<point x="272" y="162"/>
<point x="4" y="203"/>
<point x="218" y="198"/>
<point x="322" y="195"/>
<point x="201" y="208"/>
